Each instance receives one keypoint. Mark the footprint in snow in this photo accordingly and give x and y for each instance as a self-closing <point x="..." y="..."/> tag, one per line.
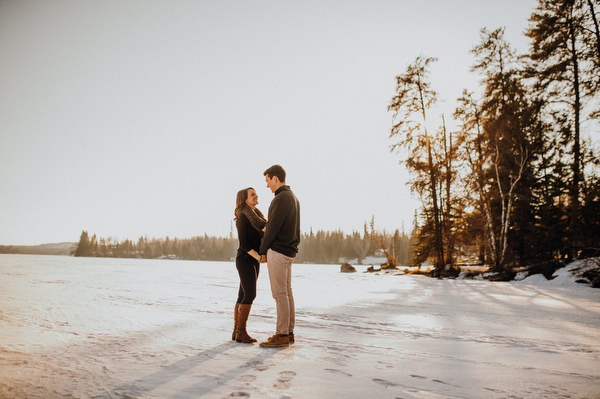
<point x="284" y="380"/>
<point x="247" y="378"/>
<point x="385" y="383"/>
<point x="424" y="378"/>
<point x="339" y="371"/>
<point x="494" y="390"/>
<point x="382" y="365"/>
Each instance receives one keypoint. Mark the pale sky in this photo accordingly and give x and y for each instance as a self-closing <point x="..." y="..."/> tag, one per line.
<point x="132" y="118"/>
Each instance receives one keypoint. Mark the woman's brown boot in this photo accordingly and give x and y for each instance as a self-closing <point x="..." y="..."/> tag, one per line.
<point x="235" y="320"/>
<point x="242" y="335"/>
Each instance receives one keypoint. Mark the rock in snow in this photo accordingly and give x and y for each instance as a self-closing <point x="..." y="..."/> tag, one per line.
<point x="347" y="268"/>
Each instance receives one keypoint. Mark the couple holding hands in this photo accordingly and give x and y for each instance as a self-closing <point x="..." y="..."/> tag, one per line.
<point x="274" y="241"/>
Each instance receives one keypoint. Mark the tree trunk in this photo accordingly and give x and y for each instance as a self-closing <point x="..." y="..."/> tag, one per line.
<point x="436" y="213"/>
<point x="596" y="29"/>
<point x="489" y="225"/>
<point x="448" y="218"/>
<point x="574" y="222"/>
<point x="478" y="177"/>
<point x="439" y="245"/>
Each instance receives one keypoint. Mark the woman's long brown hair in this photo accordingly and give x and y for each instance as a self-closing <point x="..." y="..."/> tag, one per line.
<point x="240" y="201"/>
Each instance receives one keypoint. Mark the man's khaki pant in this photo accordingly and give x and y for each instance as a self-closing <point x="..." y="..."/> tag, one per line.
<point x="280" y="275"/>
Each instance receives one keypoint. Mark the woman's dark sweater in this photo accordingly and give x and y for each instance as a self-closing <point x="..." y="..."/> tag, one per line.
<point x="248" y="236"/>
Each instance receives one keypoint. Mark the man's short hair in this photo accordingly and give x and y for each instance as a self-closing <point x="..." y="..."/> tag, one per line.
<point x="276" y="170"/>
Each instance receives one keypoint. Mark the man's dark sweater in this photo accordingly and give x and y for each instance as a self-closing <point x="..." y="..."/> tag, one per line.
<point x="282" y="233"/>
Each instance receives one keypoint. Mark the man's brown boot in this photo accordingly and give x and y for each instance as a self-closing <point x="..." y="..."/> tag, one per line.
<point x="235" y="320"/>
<point x="242" y="335"/>
<point x="276" y="341"/>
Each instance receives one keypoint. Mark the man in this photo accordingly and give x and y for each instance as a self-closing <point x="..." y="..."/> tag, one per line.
<point x="280" y="245"/>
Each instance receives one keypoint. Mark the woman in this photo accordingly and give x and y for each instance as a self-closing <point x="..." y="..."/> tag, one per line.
<point x="250" y="223"/>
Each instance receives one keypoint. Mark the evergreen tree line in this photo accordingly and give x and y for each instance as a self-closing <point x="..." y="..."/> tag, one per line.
<point x="517" y="183"/>
<point x="325" y="247"/>
<point x="196" y="248"/>
<point x="322" y="247"/>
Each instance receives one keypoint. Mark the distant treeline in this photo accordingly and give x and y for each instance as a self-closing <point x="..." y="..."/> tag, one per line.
<point x="196" y="248"/>
<point x="322" y="247"/>
<point x="63" y="248"/>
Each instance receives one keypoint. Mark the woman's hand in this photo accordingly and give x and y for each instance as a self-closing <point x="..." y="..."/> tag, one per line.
<point x="255" y="255"/>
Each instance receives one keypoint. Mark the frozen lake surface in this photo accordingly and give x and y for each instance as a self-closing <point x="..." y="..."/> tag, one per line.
<point x="131" y="328"/>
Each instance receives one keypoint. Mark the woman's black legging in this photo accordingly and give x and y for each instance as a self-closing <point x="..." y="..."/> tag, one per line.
<point x="248" y="269"/>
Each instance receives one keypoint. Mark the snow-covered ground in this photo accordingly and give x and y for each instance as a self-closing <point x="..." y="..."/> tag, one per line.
<point x="117" y="328"/>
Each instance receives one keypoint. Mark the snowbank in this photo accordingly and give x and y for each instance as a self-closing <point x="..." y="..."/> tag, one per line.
<point x="575" y="272"/>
